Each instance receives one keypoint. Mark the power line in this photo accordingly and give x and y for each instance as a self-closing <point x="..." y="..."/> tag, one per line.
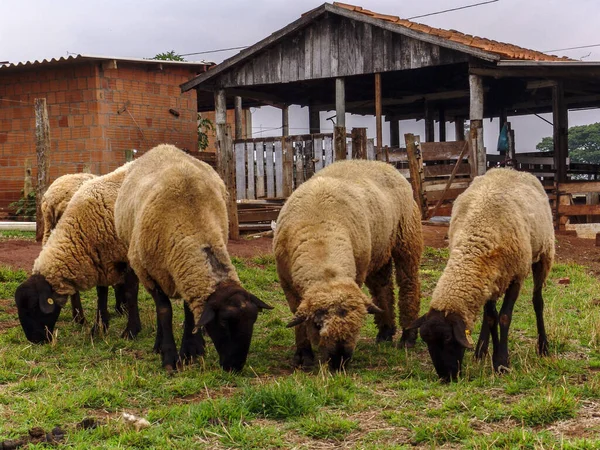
<point x="571" y="48"/>
<point x="216" y="51"/>
<point x="452" y="9"/>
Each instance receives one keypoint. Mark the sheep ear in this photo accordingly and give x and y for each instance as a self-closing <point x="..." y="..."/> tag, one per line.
<point x="372" y="308"/>
<point x="258" y="302"/>
<point x="417" y="323"/>
<point x="296" y="320"/>
<point x="461" y="334"/>
<point x="207" y="316"/>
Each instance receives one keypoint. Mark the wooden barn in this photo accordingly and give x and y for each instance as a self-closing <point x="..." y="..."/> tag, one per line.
<point x="348" y="59"/>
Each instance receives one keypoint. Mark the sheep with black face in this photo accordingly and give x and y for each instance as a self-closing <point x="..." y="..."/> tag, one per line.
<point x="171" y="213"/>
<point x="83" y="251"/>
<point x="501" y="227"/>
<point x="344" y="227"/>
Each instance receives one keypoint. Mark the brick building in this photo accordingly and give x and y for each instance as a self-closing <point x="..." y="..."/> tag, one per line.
<point x="99" y="108"/>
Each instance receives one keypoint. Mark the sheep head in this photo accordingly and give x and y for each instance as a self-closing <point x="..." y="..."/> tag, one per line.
<point x="228" y="317"/>
<point x="447" y="338"/>
<point x="333" y="314"/>
<point x="38" y="307"/>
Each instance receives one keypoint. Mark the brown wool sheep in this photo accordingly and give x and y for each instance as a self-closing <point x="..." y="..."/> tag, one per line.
<point x="171" y="213"/>
<point x="501" y="227"/>
<point x="83" y="251"/>
<point x="340" y="229"/>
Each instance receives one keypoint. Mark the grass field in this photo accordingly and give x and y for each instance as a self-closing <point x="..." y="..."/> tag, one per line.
<point x="388" y="398"/>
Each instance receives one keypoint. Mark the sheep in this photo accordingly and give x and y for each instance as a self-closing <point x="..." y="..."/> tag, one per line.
<point x="171" y="213"/>
<point x="54" y="202"/>
<point x="338" y="230"/>
<point x="82" y="251"/>
<point x="500" y="227"/>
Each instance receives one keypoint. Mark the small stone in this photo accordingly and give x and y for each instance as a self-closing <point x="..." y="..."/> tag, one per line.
<point x="565" y="280"/>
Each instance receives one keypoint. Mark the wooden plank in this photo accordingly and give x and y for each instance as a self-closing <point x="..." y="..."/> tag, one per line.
<point x="476" y="129"/>
<point x="278" y="150"/>
<point x="429" y="123"/>
<point x="308" y="53"/>
<point x="359" y="143"/>
<point x="287" y="167"/>
<point x="260" y="169"/>
<point x="270" y="169"/>
<point x="444" y="170"/>
<point x="299" y="165"/>
<point x="250" y="216"/>
<point x="285" y="121"/>
<point x="308" y="156"/>
<point x="240" y="170"/>
<point x="340" y="102"/>
<point x="328" y="151"/>
<point x="255" y="226"/>
<point x="578" y="210"/>
<point x="582" y="187"/>
<point x="416" y="173"/>
<point x="325" y="44"/>
<point x="370" y="150"/>
<point x="451" y="194"/>
<point x="339" y="143"/>
<point x="238" y="117"/>
<point x="459" y="128"/>
<point x="349" y="150"/>
<point x="560" y="131"/>
<point x="250" y="161"/>
<point x="378" y="125"/>
<point x="440" y="185"/>
<point x="227" y="172"/>
<point x="441" y="151"/>
<point x="318" y="153"/>
<point x="42" y="150"/>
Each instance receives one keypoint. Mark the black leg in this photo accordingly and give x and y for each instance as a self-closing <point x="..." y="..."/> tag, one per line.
<point x="540" y="272"/>
<point x="130" y="299"/>
<point x="77" y="309"/>
<point x="382" y="290"/>
<point x="102" y="311"/>
<point x="120" y="298"/>
<point x="304" y="356"/>
<point x="192" y="344"/>
<point x="489" y="325"/>
<point x="164" y="314"/>
<point x="500" y="357"/>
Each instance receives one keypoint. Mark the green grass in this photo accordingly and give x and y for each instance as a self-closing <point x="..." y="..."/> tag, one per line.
<point x="15" y="234"/>
<point x="388" y="397"/>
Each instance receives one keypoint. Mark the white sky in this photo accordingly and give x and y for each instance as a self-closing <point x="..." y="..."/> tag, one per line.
<point x="35" y="29"/>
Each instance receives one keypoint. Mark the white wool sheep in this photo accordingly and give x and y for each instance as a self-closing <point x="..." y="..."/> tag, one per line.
<point x="501" y="227"/>
<point x="83" y="251"/>
<point x="171" y="213"/>
<point x="340" y="229"/>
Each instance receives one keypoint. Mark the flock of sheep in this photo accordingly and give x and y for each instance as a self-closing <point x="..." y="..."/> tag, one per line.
<point x="162" y="220"/>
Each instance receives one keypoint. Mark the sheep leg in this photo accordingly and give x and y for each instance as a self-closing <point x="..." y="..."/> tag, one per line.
<point x="382" y="290"/>
<point x="120" y="297"/>
<point x="164" y="315"/>
<point x="489" y="327"/>
<point x="540" y="272"/>
<point x="102" y="317"/>
<point x="77" y="309"/>
<point x="304" y="356"/>
<point x="192" y="345"/>
<point x="500" y="356"/>
<point x="129" y="291"/>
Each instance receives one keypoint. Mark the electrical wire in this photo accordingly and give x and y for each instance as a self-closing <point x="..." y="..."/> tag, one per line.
<point x="452" y="9"/>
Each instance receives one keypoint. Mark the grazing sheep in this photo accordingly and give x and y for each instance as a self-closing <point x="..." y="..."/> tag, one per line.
<point x="83" y="251"/>
<point x="171" y="213"/>
<point x="54" y="202"/>
<point x="500" y="227"/>
<point x="340" y="229"/>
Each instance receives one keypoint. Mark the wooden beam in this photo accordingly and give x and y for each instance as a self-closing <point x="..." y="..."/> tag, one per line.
<point x="285" y="121"/>
<point x="378" y="129"/>
<point x="415" y="166"/>
<point x="248" y="122"/>
<point x="459" y="128"/>
<point x="476" y="118"/>
<point x="42" y="148"/>
<point x="578" y="210"/>
<point x="429" y="124"/>
<point x="359" y="143"/>
<point x="340" y="102"/>
<point x="339" y="143"/>
<point x="314" y="121"/>
<point x="561" y="131"/>
<point x="288" y="166"/>
<point x="238" y="117"/>
<point x="395" y="133"/>
<point x="265" y="98"/>
<point x="442" y="124"/>
<point x="579" y="187"/>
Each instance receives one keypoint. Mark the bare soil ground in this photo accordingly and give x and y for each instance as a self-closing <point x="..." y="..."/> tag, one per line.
<point x="21" y="253"/>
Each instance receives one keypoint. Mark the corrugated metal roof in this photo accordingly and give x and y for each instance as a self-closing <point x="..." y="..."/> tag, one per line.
<point x="84" y="57"/>
<point x="504" y="50"/>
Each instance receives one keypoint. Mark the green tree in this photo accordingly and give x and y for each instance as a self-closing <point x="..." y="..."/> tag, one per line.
<point x="584" y="143"/>
<point x="169" y="56"/>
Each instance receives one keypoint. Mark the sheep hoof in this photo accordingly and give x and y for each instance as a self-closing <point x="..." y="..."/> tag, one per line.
<point x="386" y="334"/>
<point x="79" y="319"/>
<point x="99" y="329"/>
<point x="190" y="351"/>
<point x="169" y="361"/>
<point x="130" y="333"/>
<point x="304" y="358"/>
<point x="408" y="339"/>
<point x="501" y="367"/>
<point x="543" y="347"/>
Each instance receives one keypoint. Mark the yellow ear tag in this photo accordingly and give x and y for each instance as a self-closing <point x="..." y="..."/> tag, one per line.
<point x="50" y="301"/>
<point x="468" y="336"/>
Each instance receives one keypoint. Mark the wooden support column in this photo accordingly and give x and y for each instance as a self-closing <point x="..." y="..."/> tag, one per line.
<point x="459" y="128"/>
<point x="561" y="131"/>
<point x="285" y="121"/>
<point x="442" y="124"/>
<point x="415" y="167"/>
<point x="339" y="132"/>
<point x="395" y="133"/>
<point x="314" y="121"/>
<point x="378" y="111"/>
<point x="476" y="118"/>
<point x="429" y="124"/>
<point x="226" y="160"/>
<point x="238" y="117"/>
<point x="42" y="148"/>
<point x="359" y="143"/>
<point x="248" y="123"/>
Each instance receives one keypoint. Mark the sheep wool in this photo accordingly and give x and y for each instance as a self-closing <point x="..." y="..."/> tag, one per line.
<point x="57" y="197"/>
<point x="495" y="235"/>
<point x="84" y="251"/>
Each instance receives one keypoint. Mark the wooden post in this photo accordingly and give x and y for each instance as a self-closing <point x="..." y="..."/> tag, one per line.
<point x="429" y="124"/>
<point x="512" y="155"/>
<point x="27" y="182"/>
<point x="395" y="133"/>
<point x="340" y="102"/>
<point x="42" y="148"/>
<point x="288" y="165"/>
<point x="359" y="143"/>
<point x="459" y="128"/>
<point x="503" y="118"/>
<point x="415" y="166"/>
<point x="442" y="124"/>
<point x="378" y="108"/>
<point x="314" y="121"/>
<point x="238" y="117"/>
<point x="476" y="117"/>
<point x="561" y="131"/>
<point x="285" y="121"/>
<point x="339" y="143"/>
<point x="248" y="122"/>
<point x="226" y="160"/>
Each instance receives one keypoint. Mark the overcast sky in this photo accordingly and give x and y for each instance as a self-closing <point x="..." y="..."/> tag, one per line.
<point x="37" y="29"/>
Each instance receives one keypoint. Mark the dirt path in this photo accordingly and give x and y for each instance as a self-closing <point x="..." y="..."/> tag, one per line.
<point x="21" y="254"/>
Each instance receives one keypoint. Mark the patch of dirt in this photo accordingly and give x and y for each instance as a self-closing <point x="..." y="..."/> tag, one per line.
<point x="36" y="435"/>
<point x="585" y="425"/>
<point x="18" y="253"/>
<point x="249" y="248"/>
<point x="8" y="306"/>
<point x="580" y="251"/>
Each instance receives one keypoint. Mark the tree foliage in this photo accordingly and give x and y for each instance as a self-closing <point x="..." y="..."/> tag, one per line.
<point x="169" y="56"/>
<point x="584" y="143"/>
<point x="205" y="126"/>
